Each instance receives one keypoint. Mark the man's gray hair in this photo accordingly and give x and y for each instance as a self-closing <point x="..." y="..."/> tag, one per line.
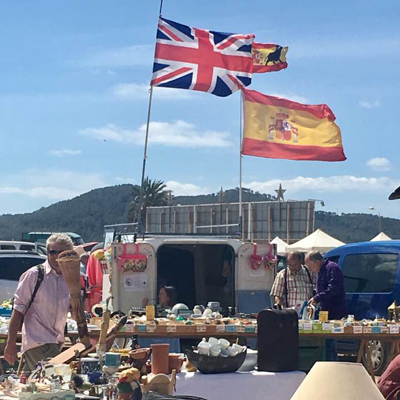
<point x="294" y="254"/>
<point x="61" y="239"/>
<point x="315" y="256"/>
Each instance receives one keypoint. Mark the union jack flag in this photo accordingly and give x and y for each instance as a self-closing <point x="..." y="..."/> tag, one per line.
<point x="197" y="59"/>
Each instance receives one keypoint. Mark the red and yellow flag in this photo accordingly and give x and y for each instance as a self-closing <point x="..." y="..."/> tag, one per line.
<point x="268" y="57"/>
<point x="280" y="128"/>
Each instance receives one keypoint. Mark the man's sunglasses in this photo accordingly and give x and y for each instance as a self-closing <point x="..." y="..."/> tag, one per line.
<point x="54" y="252"/>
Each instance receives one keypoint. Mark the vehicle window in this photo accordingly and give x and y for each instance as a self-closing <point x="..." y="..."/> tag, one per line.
<point x="366" y="273"/>
<point x="12" y="268"/>
<point x="7" y="247"/>
<point x="335" y="259"/>
<point x="41" y="250"/>
<point x="281" y="263"/>
<point x="27" y="247"/>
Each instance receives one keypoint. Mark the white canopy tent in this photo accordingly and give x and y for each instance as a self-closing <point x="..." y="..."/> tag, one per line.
<point x="280" y="246"/>
<point x="318" y="240"/>
<point x="380" y="236"/>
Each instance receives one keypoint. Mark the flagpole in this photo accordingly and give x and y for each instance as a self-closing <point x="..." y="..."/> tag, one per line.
<point x="146" y="141"/>
<point x="240" y="166"/>
<point x="139" y="228"/>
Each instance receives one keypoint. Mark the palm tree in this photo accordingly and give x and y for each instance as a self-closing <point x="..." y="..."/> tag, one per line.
<point x="154" y="194"/>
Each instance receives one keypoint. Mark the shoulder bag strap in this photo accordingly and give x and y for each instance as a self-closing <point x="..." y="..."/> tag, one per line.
<point x="309" y="275"/>
<point x="286" y="288"/>
<point x="38" y="283"/>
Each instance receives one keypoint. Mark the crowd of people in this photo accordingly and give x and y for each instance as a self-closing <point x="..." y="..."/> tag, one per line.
<point x="41" y="303"/>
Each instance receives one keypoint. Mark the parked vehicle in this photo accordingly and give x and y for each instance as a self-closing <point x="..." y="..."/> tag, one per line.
<point x="27" y="246"/>
<point x="13" y="263"/>
<point x="202" y="269"/>
<point x="372" y="282"/>
<point x="42" y="237"/>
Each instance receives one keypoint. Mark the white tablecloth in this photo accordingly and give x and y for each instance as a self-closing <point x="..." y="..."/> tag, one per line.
<point x="252" y="385"/>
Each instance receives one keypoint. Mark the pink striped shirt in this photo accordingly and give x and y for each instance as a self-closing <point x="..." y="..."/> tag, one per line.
<point x="45" y="319"/>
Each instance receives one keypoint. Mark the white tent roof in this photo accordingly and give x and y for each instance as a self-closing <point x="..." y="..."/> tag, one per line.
<point x="280" y="246"/>
<point x="381" y="236"/>
<point x="318" y="240"/>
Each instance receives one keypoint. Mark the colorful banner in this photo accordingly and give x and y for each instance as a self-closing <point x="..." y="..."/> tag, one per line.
<point x="279" y="128"/>
<point x="268" y="57"/>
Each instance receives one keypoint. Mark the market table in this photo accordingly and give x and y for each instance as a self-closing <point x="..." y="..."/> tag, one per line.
<point x="365" y="337"/>
<point x="240" y="385"/>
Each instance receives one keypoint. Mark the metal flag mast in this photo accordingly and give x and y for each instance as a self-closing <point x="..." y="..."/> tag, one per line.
<point x="140" y="229"/>
<point x="241" y="166"/>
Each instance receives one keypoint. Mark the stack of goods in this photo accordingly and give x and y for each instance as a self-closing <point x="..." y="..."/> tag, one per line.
<point x="211" y="324"/>
<point x="217" y="356"/>
<point x="349" y="326"/>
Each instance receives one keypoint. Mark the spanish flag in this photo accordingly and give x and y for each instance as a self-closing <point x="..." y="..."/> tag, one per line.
<point x="280" y="128"/>
<point x="268" y="57"/>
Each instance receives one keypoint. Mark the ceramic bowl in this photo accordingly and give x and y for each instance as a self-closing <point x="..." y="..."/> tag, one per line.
<point x="215" y="365"/>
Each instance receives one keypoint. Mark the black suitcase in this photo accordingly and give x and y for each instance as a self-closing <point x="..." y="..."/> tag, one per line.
<point x="278" y="340"/>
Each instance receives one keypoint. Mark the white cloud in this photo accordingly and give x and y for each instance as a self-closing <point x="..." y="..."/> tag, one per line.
<point x="10" y="190"/>
<point x="175" y="134"/>
<point x="64" y="152"/>
<point x="369" y="105"/>
<point x="119" y="57"/>
<point x="327" y="184"/>
<point x="135" y="91"/>
<point x="185" y="189"/>
<point x="379" y="164"/>
<point x="293" y="97"/>
<point x="64" y="184"/>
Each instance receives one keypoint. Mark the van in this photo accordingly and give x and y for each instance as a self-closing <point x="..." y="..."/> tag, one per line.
<point x="201" y="269"/>
<point x="42" y="237"/>
<point x="13" y="263"/>
<point x="24" y="246"/>
<point x="372" y="282"/>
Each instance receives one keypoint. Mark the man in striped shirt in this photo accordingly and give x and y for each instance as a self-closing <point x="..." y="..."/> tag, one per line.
<point x="294" y="284"/>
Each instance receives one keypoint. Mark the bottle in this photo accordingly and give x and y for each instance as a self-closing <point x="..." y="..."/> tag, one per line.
<point x="23" y="379"/>
<point x="135" y="342"/>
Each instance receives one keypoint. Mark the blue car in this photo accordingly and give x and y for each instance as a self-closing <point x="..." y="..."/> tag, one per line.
<point x="372" y="282"/>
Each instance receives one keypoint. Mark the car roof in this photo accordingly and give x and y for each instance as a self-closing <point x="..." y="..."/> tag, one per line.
<point x="370" y="246"/>
<point x="16" y="242"/>
<point x="21" y="253"/>
<point x="71" y="234"/>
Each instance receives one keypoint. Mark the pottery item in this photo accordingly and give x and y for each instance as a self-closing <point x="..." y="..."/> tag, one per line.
<point x="159" y="358"/>
<point x="232" y="351"/>
<point x="238" y="347"/>
<point x="139" y="357"/>
<point x="213" y="365"/>
<point x="112" y="359"/>
<point x="175" y="362"/>
<point x="223" y="343"/>
<point x="89" y="364"/>
<point x="215" y="351"/>
<point x="213" y="341"/>
<point x="204" y="348"/>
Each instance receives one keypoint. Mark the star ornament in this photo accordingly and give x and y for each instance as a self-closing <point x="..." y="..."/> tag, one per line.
<point x="279" y="193"/>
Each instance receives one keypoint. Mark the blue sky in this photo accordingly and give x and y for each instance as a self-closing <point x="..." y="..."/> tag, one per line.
<point x="74" y="97"/>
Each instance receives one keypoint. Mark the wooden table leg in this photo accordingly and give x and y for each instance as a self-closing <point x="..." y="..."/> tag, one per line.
<point x="364" y="347"/>
<point x="393" y="350"/>
<point x="361" y="351"/>
<point x="369" y="362"/>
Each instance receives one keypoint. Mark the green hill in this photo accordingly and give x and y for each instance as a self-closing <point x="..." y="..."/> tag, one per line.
<point x="89" y="212"/>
